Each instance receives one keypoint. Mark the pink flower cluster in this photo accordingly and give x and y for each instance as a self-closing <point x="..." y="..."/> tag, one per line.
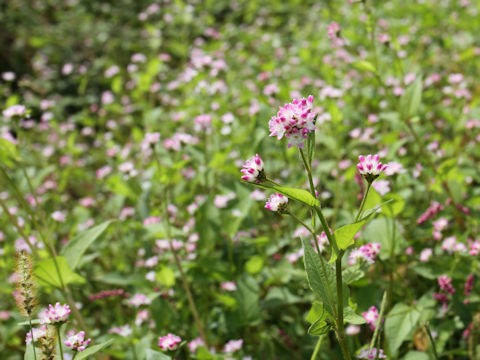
<point x="434" y="208"/>
<point x="253" y="170"/>
<point x="445" y="284"/>
<point x="15" y="110"/>
<point x="233" y="345"/>
<point x="55" y="314"/>
<point x="38" y="333"/>
<point x="295" y="121"/>
<point x="371" y="354"/>
<point x="438" y="226"/>
<point x="169" y="342"/>
<point x="371" y="317"/>
<point x="370" y="166"/>
<point x="77" y="341"/>
<point x="468" y="285"/>
<point x="106" y="293"/>
<point x="138" y="300"/>
<point x="367" y="253"/>
<point x="277" y="202"/>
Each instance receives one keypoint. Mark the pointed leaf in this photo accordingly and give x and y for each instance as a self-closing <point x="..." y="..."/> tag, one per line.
<point x="321" y="282"/>
<point x="92" y="350"/>
<point x="76" y="247"/>
<point x="352" y="317"/>
<point x="400" y="324"/>
<point x="155" y="355"/>
<point x="47" y="273"/>
<point x="364" y="66"/>
<point x="411" y="99"/>
<point x="300" y="195"/>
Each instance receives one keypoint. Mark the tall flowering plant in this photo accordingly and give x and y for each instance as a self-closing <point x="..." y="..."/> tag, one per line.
<point x="296" y="121"/>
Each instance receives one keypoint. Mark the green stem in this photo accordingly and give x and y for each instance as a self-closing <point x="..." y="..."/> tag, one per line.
<point x="317" y="348"/>
<point x="430" y="337"/>
<point x="364" y="199"/>
<point x="60" y="341"/>
<point x="340" y="331"/>
<point x="329" y="234"/>
<point x="309" y="172"/>
<point x="379" y="321"/>
<point x="300" y="221"/>
<point x="340" y="326"/>
<point x="33" y="342"/>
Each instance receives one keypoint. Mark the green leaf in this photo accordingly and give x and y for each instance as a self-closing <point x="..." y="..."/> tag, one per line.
<point x="155" y="355"/>
<point x="319" y="327"/>
<point x="382" y="230"/>
<point x="411" y="99"/>
<point x="317" y="316"/>
<point x="92" y="350"/>
<point x="292" y="193"/>
<point x="8" y="152"/>
<point x="29" y="353"/>
<point x="395" y="207"/>
<point x="322" y="283"/>
<point x="351" y="317"/>
<point x="316" y="311"/>
<point x="345" y="234"/>
<point x="247" y="296"/>
<point x="364" y="66"/>
<point x="416" y="355"/>
<point x="46" y="272"/>
<point x="352" y="274"/>
<point x="400" y="324"/>
<point x="228" y="301"/>
<point x="254" y="265"/>
<point x="166" y="276"/>
<point x="76" y="247"/>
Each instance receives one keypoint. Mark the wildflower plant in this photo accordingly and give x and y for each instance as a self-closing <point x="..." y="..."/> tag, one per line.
<point x="296" y="121"/>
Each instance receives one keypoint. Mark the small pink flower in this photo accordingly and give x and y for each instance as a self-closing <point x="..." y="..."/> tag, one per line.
<point x="333" y="30"/>
<point x="229" y="286"/>
<point x="371" y="354"/>
<point x="15" y="110"/>
<point x="426" y="254"/>
<point x="371" y="317"/>
<point x="381" y="186"/>
<point x="474" y="247"/>
<point x="384" y="38"/>
<point x="294" y="121"/>
<point x="253" y="170"/>
<point x="233" y="345"/>
<point x="150" y="139"/>
<point x="468" y="285"/>
<point x="59" y="216"/>
<point x="151" y="220"/>
<point x="277" y="202"/>
<point x="169" y="342"/>
<point x="445" y="284"/>
<point x="367" y="253"/>
<point x="370" y="167"/>
<point x="352" y="330"/>
<point x="122" y="331"/>
<point x="77" y="342"/>
<point x="138" y="300"/>
<point x="38" y="333"/>
<point x="195" y="344"/>
<point x="55" y="314"/>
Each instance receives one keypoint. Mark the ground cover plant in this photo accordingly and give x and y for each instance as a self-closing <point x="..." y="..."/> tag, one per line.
<point x="239" y="179"/>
